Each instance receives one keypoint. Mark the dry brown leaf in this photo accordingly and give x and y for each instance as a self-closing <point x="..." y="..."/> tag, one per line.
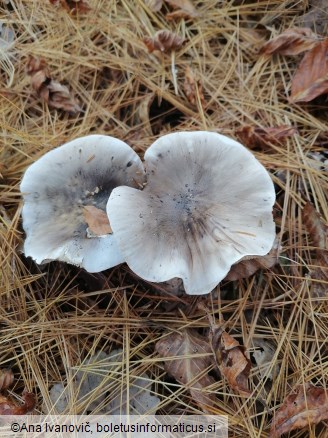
<point x="52" y="92"/>
<point x="154" y="5"/>
<point x="306" y="406"/>
<point x="74" y="7"/>
<point x="193" y="88"/>
<point x="318" y="231"/>
<point x="311" y="77"/>
<point x="231" y="360"/>
<point x="291" y="42"/>
<point x="248" y="266"/>
<point x="316" y="227"/>
<point x="191" y="356"/>
<point x="97" y="221"/>
<point x="184" y="6"/>
<point x="258" y="137"/>
<point x="6" y="378"/>
<point x="183" y="9"/>
<point x="163" y="40"/>
<point x="9" y="407"/>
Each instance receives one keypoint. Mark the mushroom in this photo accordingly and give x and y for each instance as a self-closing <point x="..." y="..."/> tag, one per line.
<point x="207" y="204"/>
<point x="65" y="195"/>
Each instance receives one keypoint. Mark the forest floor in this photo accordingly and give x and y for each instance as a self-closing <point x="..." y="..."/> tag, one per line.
<point x="255" y="349"/>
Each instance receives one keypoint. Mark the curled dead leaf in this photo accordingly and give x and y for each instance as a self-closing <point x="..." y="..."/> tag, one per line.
<point x="9" y="407"/>
<point x="97" y="221"/>
<point x="248" y="266"/>
<point x="52" y="92"/>
<point x="6" y="378"/>
<point x="291" y="42"/>
<point x="74" y="7"/>
<point x="305" y="406"/>
<point x="258" y="137"/>
<point x="163" y="40"/>
<point x="183" y="9"/>
<point x="193" y="88"/>
<point x="311" y="77"/>
<point x="318" y="231"/>
<point x="187" y="357"/>
<point x="231" y="360"/>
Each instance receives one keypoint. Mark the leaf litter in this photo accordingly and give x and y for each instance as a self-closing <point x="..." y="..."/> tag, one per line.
<point x="8" y="406"/>
<point x="231" y="360"/>
<point x="318" y="232"/>
<point x="306" y="405"/>
<point x="249" y="265"/>
<point x="182" y="8"/>
<point x="53" y="315"/>
<point x="262" y="137"/>
<point x="52" y="92"/>
<point x="188" y="356"/>
<point x="193" y="88"/>
<point x="310" y="79"/>
<point x="291" y="42"/>
<point x="164" y="41"/>
<point x="74" y="7"/>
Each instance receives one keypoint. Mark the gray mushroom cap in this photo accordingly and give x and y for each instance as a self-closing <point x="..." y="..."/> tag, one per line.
<point x="207" y="204"/>
<point x="55" y="189"/>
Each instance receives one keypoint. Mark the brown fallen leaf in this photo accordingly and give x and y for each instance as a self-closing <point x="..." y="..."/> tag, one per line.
<point x="183" y="9"/>
<point x="193" y="88"/>
<point x="305" y="406"/>
<point x="187" y="356"/>
<point x="258" y="137"/>
<point x="311" y="77"/>
<point x="9" y="407"/>
<point x="231" y="360"/>
<point x="248" y="266"/>
<point x="318" y="231"/>
<point x="52" y="92"/>
<point x="74" y="7"/>
<point x="291" y="42"/>
<point x="97" y="221"/>
<point x="6" y="378"/>
<point x="163" y="40"/>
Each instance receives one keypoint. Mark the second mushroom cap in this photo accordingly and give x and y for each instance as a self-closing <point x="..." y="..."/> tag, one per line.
<point x="207" y="204"/>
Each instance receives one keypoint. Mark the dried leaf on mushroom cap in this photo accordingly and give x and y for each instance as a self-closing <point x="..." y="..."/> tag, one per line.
<point x="58" y="187"/>
<point x="207" y="203"/>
